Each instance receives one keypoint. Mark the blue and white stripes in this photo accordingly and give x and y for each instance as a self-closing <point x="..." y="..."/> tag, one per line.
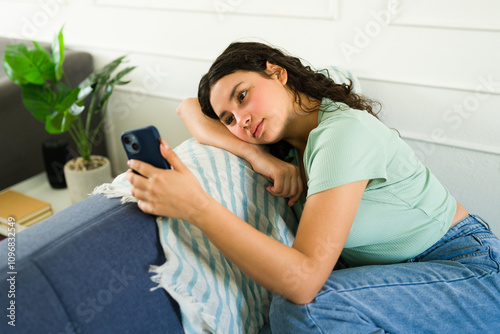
<point x="214" y="296"/>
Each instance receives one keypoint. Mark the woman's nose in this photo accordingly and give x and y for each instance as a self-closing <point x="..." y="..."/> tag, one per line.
<point x="244" y="120"/>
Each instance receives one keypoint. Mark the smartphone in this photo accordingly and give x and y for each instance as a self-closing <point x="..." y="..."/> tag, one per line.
<point x="144" y="144"/>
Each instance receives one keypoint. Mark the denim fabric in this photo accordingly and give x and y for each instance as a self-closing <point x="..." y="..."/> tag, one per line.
<point x="453" y="287"/>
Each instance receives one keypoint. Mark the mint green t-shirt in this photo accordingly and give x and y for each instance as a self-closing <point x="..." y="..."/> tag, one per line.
<point x="404" y="209"/>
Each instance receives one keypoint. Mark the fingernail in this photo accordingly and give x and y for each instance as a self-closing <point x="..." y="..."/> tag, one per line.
<point x="129" y="162"/>
<point x="165" y="144"/>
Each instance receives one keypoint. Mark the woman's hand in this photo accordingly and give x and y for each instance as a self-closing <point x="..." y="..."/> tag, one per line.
<point x="173" y="192"/>
<point x="286" y="177"/>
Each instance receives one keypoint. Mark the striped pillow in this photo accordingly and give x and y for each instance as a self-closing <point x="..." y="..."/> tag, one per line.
<point x="213" y="294"/>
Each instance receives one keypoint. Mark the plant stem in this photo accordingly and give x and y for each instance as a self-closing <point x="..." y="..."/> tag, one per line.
<point x="73" y="133"/>
<point x="83" y="142"/>
<point x="99" y="125"/>
<point x="66" y="79"/>
<point x="90" y="111"/>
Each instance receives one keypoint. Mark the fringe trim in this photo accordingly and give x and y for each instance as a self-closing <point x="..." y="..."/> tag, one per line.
<point x="192" y="311"/>
<point x="194" y="318"/>
<point x="114" y="191"/>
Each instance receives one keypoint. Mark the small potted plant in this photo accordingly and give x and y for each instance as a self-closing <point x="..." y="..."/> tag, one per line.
<point x="48" y="95"/>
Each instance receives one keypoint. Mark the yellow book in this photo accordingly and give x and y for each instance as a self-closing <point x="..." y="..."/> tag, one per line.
<point x="6" y="230"/>
<point x="37" y="219"/>
<point x="21" y="207"/>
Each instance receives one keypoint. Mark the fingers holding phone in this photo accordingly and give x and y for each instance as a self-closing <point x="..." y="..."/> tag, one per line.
<point x="159" y="189"/>
<point x="144" y="144"/>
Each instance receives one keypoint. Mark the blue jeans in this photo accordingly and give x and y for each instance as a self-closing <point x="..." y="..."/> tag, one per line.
<point x="453" y="287"/>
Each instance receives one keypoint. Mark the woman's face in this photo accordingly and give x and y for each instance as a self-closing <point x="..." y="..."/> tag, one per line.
<point x="254" y="108"/>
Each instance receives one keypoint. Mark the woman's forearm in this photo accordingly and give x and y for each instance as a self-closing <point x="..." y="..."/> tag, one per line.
<point x="298" y="272"/>
<point x="277" y="267"/>
<point x="212" y="132"/>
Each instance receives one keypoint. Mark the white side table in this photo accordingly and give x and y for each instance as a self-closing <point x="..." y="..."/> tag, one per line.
<point x="38" y="186"/>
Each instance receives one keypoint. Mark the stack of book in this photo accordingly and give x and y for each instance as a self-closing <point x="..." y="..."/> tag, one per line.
<point x="22" y="209"/>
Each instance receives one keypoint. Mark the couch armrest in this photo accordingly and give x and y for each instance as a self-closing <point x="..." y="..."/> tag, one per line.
<point x="85" y="269"/>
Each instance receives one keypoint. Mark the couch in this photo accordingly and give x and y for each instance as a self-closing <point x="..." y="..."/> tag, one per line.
<point x="85" y="270"/>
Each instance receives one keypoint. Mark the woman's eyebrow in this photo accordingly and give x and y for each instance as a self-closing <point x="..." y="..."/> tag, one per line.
<point x="234" y="91"/>
<point x="231" y="96"/>
<point x="222" y="115"/>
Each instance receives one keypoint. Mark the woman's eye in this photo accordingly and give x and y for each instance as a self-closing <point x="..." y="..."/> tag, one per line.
<point x="241" y="95"/>
<point x="229" y="120"/>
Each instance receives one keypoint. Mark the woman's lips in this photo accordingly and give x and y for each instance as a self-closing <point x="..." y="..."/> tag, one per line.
<point x="257" y="130"/>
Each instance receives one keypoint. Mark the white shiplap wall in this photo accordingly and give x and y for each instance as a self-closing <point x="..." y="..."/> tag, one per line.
<point x="433" y="65"/>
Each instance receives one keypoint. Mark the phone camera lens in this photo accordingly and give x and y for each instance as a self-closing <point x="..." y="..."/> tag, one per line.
<point x="126" y="139"/>
<point x="135" y="146"/>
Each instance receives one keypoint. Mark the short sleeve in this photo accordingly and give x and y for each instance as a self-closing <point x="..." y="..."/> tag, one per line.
<point x="342" y="150"/>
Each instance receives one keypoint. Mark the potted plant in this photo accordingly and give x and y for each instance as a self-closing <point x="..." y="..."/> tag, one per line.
<point x="48" y="95"/>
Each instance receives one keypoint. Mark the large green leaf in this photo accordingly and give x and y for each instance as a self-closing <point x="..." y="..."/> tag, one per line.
<point x="102" y="75"/>
<point x="43" y="101"/>
<point x="108" y="90"/>
<point x="32" y="66"/>
<point x="86" y="88"/>
<point x="102" y="81"/>
<point x="121" y="74"/>
<point x="66" y="98"/>
<point x="116" y="80"/>
<point x="19" y="60"/>
<point x="76" y="109"/>
<point x="58" y="54"/>
<point x="42" y="49"/>
<point x="59" y="122"/>
<point x="43" y="61"/>
<point x="13" y="75"/>
<point x="110" y="67"/>
<point x="39" y="100"/>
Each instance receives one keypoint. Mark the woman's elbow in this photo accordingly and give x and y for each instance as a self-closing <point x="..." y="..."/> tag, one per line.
<point x="304" y="295"/>
<point x="302" y="300"/>
<point x="181" y="108"/>
<point x="188" y="105"/>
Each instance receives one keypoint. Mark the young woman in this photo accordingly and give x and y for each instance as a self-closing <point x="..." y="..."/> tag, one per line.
<point x="414" y="260"/>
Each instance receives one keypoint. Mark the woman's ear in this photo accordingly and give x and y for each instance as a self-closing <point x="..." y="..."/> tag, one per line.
<point x="278" y="71"/>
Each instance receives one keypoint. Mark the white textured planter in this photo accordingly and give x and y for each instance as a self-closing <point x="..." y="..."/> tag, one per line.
<point x="82" y="183"/>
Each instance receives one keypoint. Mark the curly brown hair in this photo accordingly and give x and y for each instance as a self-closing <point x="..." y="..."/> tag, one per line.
<point x="253" y="57"/>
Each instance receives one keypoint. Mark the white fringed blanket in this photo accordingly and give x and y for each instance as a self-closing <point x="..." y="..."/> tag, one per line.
<point x="214" y="296"/>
